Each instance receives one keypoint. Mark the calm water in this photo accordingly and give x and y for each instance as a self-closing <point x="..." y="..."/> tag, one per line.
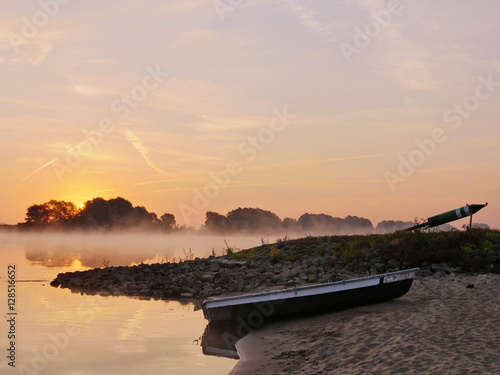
<point x="60" y="332"/>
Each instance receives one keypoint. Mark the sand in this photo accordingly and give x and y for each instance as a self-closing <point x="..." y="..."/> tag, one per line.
<point x="439" y="327"/>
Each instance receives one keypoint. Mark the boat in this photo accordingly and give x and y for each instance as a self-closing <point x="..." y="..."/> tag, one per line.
<point x="449" y="216"/>
<point x="252" y="310"/>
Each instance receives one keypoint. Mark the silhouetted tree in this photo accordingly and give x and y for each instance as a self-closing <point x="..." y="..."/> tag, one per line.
<point x="140" y="217"/>
<point x="289" y="224"/>
<point x="51" y="212"/>
<point x="168" y="221"/>
<point x="358" y="225"/>
<point x="253" y="219"/>
<point x="326" y="224"/>
<point x="320" y="223"/>
<point x="37" y="214"/>
<point x="216" y="222"/>
<point x="95" y="213"/>
<point x="114" y="213"/>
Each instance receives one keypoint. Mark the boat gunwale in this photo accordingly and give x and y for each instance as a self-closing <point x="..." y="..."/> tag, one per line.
<point x="306" y="287"/>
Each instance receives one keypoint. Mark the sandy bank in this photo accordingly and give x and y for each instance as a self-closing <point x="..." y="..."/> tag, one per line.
<point x="439" y="327"/>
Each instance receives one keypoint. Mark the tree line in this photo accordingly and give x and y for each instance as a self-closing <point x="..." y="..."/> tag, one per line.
<point x="120" y="214"/>
<point x="98" y="213"/>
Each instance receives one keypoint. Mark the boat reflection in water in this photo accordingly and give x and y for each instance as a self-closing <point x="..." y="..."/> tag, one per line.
<point x="219" y="339"/>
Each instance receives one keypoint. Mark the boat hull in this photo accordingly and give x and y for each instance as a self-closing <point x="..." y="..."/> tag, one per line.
<point x="255" y="309"/>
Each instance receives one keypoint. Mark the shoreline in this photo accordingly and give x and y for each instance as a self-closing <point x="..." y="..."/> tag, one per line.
<point x="310" y="260"/>
<point x="439" y="326"/>
<point x="389" y="338"/>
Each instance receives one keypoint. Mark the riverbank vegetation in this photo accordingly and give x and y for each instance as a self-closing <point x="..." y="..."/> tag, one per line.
<point x="117" y="214"/>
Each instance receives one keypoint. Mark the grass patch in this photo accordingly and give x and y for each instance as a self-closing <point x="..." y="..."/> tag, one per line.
<point x="276" y="254"/>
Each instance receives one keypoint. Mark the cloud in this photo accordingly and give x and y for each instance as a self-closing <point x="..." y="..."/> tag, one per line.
<point x="195" y="36"/>
<point x="34" y="53"/>
<point x="174" y="7"/>
<point x="143" y="150"/>
<point x="195" y="96"/>
<point x="56" y="159"/>
<point x="321" y="161"/>
<point x="308" y="17"/>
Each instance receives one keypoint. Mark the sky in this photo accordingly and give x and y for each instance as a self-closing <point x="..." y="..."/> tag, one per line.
<point x="380" y="109"/>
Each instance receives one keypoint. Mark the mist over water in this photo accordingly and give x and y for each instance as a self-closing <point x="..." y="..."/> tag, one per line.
<point x="115" y="334"/>
<point x="91" y="250"/>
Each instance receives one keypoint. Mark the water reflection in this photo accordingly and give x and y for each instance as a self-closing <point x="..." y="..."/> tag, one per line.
<point x="122" y="249"/>
<point x="93" y="251"/>
<point x="219" y="339"/>
<point x="116" y="335"/>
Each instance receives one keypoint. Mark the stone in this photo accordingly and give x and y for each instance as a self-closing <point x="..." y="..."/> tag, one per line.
<point x="446" y="269"/>
<point x="393" y="263"/>
<point x="214" y="267"/>
<point x="436" y="268"/>
<point x="311" y="270"/>
<point x="439" y="274"/>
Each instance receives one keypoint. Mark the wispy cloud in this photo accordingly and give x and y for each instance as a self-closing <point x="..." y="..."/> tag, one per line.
<point x="308" y="17"/>
<point x="195" y="36"/>
<point x="57" y="158"/>
<point x="321" y="161"/>
<point x="33" y="53"/>
<point x="142" y="149"/>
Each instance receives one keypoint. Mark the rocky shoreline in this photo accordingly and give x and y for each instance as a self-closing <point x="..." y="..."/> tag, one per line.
<point x="284" y="264"/>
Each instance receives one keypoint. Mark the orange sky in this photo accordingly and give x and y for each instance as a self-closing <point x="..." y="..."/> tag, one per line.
<point x="387" y="110"/>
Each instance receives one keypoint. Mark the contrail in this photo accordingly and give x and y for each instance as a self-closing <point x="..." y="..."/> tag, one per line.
<point x="346" y="158"/>
<point x="54" y="160"/>
<point x="143" y="150"/>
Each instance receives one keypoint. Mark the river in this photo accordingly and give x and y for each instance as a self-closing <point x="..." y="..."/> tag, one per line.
<point x="54" y="331"/>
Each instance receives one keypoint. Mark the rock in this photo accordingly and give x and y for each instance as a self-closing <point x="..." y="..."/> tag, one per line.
<point x="241" y="285"/>
<point x="327" y="277"/>
<point x="303" y="276"/>
<point x="446" y="269"/>
<point x="187" y="295"/>
<point x="207" y="276"/>
<point x="436" y="268"/>
<point x="424" y="273"/>
<point x="214" y="267"/>
<point x="439" y="274"/>
<point x="311" y="270"/>
<point x="394" y="263"/>
<point x="289" y="273"/>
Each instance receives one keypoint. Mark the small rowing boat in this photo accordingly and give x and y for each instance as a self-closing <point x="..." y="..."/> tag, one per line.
<point x="255" y="309"/>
